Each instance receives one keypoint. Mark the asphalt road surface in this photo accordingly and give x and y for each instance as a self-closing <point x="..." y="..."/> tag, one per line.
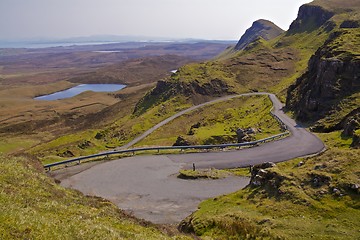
<point x="147" y="185"/>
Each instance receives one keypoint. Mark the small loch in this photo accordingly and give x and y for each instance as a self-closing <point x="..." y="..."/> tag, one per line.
<point x="71" y="92"/>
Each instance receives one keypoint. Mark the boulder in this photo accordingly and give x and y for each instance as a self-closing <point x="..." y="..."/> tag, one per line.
<point x="350" y="127"/>
<point x="260" y="176"/>
<point x="356" y="141"/>
<point x="181" y="141"/>
<point x="300" y="164"/>
<point x="66" y="154"/>
<point x="318" y="180"/>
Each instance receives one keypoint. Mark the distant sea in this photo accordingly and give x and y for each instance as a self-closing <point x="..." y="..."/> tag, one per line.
<point x="48" y="45"/>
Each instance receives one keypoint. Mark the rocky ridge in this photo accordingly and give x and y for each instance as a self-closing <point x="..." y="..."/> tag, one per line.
<point x="259" y="29"/>
<point x="328" y="93"/>
<point x="310" y="17"/>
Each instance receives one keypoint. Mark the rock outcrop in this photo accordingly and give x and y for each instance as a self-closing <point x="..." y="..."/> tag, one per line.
<point x="166" y="89"/>
<point x="350" y="24"/>
<point x="259" y="29"/>
<point x="332" y="75"/>
<point x="356" y="141"/>
<point x="244" y="135"/>
<point x="260" y="176"/>
<point x="310" y="17"/>
<point x="181" y="141"/>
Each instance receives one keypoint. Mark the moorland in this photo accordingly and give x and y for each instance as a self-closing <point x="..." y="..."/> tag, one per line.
<point x="313" y="67"/>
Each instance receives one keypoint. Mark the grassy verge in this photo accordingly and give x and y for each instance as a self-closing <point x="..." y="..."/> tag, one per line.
<point x="213" y="173"/>
<point x="33" y="206"/>
<point x="203" y="173"/>
<point x="317" y="198"/>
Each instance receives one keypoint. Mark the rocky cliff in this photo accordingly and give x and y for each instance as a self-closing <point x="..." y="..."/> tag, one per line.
<point x="330" y="89"/>
<point x="165" y="89"/>
<point x="310" y="17"/>
<point x="259" y="29"/>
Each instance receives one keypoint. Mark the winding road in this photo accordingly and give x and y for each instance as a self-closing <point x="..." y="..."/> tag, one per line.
<point x="147" y="185"/>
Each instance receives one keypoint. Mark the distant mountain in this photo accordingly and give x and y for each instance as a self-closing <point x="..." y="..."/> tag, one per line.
<point x="259" y="29"/>
<point x="325" y="91"/>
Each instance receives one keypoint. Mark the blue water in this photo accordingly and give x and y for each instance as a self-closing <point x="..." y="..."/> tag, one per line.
<point x="81" y="88"/>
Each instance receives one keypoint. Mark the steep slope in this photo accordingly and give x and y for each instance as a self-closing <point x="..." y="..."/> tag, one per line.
<point x="310" y="18"/>
<point x="315" y="197"/>
<point x="333" y="75"/>
<point x="261" y="66"/>
<point x="328" y="93"/>
<point x="259" y="29"/>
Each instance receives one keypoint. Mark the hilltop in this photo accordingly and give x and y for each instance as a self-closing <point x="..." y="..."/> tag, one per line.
<point x="259" y="29"/>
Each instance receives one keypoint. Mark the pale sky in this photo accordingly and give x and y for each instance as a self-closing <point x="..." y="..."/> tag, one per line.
<point x="206" y="19"/>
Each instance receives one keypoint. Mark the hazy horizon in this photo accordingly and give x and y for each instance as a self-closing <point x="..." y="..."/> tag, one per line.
<point x="168" y="19"/>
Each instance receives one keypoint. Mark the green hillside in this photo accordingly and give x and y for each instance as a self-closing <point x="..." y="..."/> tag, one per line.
<point x="314" y="67"/>
<point x="262" y="65"/>
<point x="315" y="197"/>
<point x="311" y="198"/>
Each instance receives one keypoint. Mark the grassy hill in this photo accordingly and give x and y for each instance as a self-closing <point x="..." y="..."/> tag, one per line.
<point x="316" y="197"/>
<point x="314" y="65"/>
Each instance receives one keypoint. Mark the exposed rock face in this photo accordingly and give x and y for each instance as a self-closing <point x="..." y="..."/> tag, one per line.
<point x="260" y="28"/>
<point x="181" y="141"/>
<point x="330" y="78"/>
<point x="214" y="87"/>
<point x="350" y="24"/>
<point x="356" y="140"/>
<point x="351" y="125"/>
<point x="66" y="154"/>
<point x="243" y="135"/>
<point x="165" y="89"/>
<point x="310" y="17"/>
<point x="318" y="180"/>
